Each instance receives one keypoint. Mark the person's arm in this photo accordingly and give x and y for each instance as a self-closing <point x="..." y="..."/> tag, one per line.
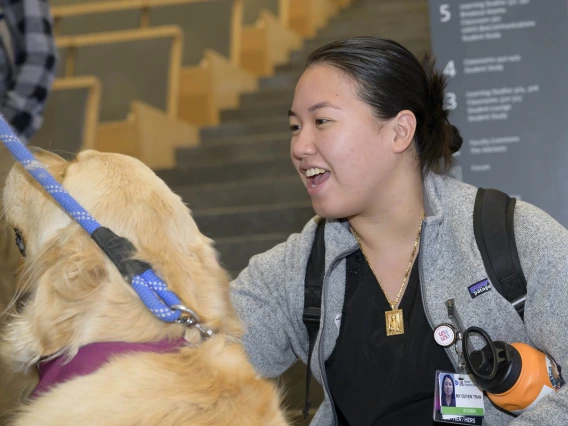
<point x="540" y="238"/>
<point x="259" y="296"/>
<point x="35" y="56"/>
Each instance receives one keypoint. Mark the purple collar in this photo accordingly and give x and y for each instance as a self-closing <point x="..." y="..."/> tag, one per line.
<point x="90" y="357"/>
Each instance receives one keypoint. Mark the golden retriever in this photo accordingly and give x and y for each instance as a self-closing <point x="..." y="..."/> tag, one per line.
<point x="75" y="296"/>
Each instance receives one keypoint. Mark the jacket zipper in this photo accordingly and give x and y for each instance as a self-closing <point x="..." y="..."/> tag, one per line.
<point x="423" y="289"/>
<point x="322" y="338"/>
<point x="456" y="320"/>
<point x="453" y="315"/>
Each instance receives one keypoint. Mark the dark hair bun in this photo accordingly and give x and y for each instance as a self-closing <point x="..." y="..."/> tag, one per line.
<point x="440" y="140"/>
<point x="455" y="137"/>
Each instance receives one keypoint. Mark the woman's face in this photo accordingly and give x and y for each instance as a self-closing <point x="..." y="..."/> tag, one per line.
<point x="341" y="151"/>
<point x="448" y="386"/>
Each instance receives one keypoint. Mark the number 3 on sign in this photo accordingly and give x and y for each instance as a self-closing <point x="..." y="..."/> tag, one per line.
<point x="450" y="101"/>
<point x="445" y="12"/>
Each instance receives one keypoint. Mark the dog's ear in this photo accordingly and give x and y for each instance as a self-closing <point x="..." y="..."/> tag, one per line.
<point x="61" y="281"/>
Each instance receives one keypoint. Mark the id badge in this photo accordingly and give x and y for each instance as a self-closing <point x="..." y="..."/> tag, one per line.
<point x="457" y="399"/>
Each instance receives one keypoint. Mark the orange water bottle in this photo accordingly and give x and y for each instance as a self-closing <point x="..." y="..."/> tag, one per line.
<point x="515" y="376"/>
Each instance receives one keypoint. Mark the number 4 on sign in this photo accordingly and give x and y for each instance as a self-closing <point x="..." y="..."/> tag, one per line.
<point x="450" y="69"/>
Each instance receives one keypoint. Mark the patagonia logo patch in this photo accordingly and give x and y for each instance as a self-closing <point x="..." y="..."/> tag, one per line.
<point x="479" y="288"/>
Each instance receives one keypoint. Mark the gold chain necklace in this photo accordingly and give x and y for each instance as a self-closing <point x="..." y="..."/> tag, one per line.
<point x="393" y="318"/>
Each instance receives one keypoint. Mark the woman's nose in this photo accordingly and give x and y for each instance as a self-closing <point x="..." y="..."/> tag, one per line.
<point x="303" y="145"/>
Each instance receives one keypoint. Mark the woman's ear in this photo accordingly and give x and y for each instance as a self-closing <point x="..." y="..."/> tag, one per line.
<point x="404" y="128"/>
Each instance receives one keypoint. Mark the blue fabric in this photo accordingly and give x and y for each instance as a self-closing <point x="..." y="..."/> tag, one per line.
<point x="150" y="288"/>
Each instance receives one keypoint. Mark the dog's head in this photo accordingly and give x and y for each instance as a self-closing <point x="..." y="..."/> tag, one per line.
<point x="74" y="294"/>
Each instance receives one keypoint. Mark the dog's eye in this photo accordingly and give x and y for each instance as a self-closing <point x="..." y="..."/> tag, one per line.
<point x="20" y="241"/>
<point x="22" y="300"/>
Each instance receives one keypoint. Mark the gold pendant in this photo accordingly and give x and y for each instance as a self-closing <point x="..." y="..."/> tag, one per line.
<point x="395" y="322"/>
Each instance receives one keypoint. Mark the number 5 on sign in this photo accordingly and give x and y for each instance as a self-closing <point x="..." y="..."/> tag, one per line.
<point x="445" y="12"/>
<point x="450" y="69"/>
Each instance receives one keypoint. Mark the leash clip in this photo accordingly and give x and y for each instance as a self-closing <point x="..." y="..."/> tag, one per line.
<point x="191" y="319"/>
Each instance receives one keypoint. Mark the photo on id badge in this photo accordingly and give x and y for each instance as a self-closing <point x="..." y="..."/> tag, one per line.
<point x="457" y="399"/>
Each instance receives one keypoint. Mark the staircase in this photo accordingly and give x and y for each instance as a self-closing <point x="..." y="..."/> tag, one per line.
<point x="240" y="183"/>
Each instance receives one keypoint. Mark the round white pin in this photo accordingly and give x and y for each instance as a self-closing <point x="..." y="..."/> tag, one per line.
<point x="445" y="335"/>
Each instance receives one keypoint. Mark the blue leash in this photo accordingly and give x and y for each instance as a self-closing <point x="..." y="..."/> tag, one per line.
<point x="153" y="292"/>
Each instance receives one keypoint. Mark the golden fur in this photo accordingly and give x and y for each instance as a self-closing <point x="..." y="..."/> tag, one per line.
<point x="75" y="296"/>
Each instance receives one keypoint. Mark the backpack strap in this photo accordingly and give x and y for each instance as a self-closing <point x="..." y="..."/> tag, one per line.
<point x="315" y="271"/>
<point x="493" y="226"/>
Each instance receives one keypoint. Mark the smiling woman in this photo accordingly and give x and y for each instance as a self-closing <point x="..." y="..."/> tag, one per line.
<point x="344" y="115"/>
<point x="372" y="143"/>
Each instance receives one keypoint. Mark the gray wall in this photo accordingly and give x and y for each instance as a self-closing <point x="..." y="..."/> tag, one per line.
<point x="510" y="94"/>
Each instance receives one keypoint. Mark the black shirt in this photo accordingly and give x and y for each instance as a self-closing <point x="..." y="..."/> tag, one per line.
<point x="377" y="379"/>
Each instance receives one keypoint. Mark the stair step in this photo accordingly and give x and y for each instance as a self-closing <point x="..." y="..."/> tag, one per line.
<point x="383" y="14"/>
<point x="243" y="193"/>
<point x="299" y="56"/>
<point x="226" y="171"/>
<point x="266" y="109"/>
<point x="230" y="150"/>
<point x="284" y="103"/>
<point x="284" y="79"/>
<point x="239" y="128"/>
<point x="420" y="32"/>
<point x="416" y="45"/>
<point x="235" y="252"/>
<point x="290" y="68"/>
<point x="385" y="6"/>
<point x="419" y="45"/>
<point x="250" y="220"/>
<point x="268" y="94"/>
<point x="243" y="139"/>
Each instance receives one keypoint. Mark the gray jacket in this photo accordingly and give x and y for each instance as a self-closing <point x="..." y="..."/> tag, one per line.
<point x="269" y="293"/>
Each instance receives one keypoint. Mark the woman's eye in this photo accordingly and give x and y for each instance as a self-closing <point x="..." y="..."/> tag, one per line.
<point x="294" y="128"/>
<point x="321" y="121"/>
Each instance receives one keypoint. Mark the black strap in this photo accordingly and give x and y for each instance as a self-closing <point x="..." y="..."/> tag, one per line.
<point x="315" y="271"/>
<point x="120" y="251"/>
<point x="493" y="226"/>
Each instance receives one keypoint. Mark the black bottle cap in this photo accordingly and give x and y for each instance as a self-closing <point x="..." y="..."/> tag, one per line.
<point x="509" y="366"/>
